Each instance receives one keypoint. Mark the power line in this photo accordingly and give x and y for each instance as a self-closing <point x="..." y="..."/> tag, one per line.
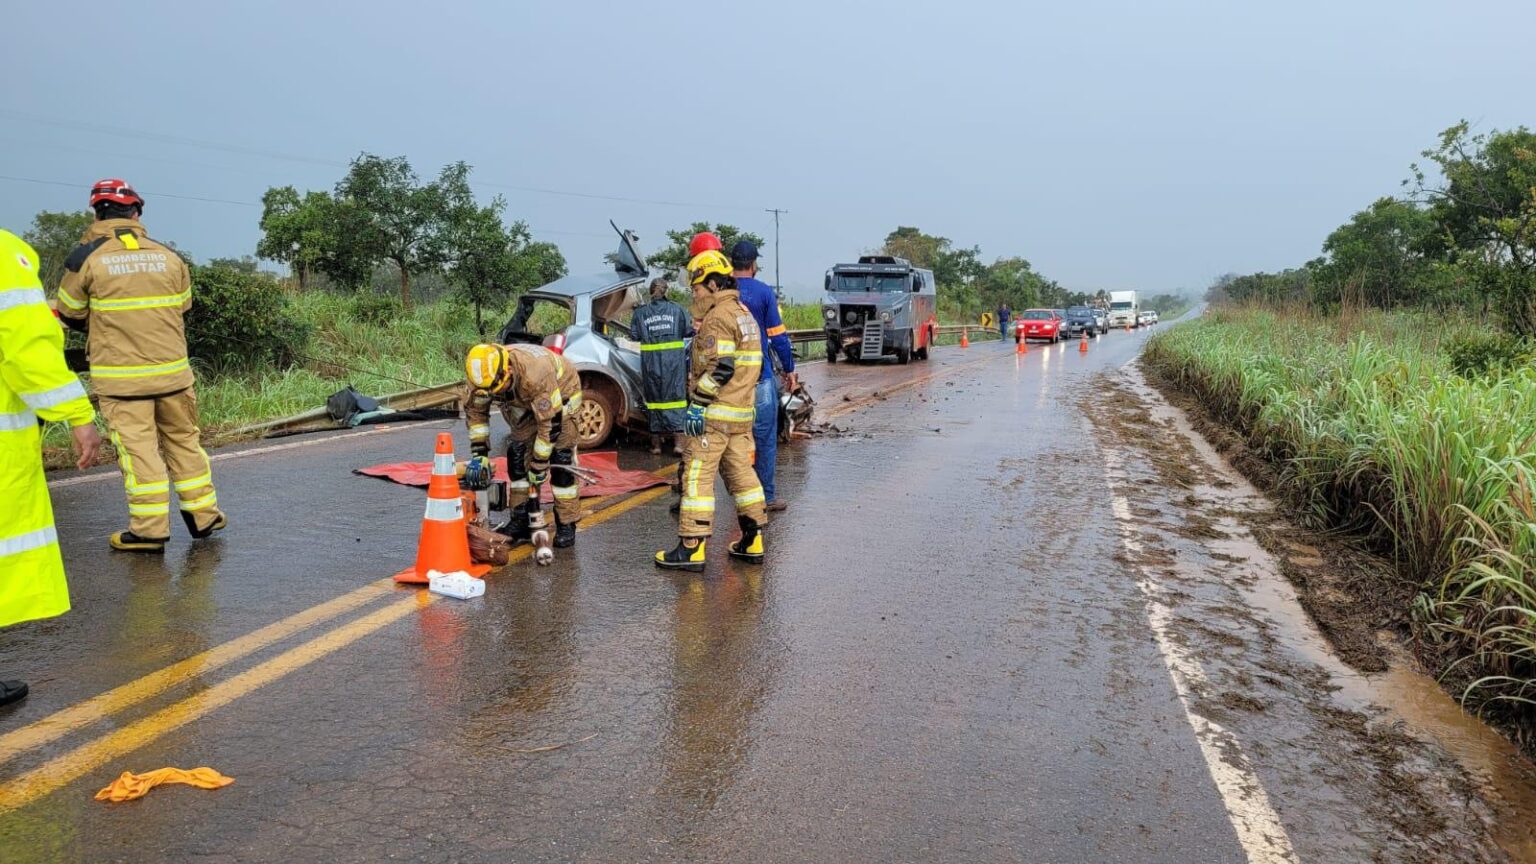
<point x="290" y="157"/>
<point x="157" y="194"/>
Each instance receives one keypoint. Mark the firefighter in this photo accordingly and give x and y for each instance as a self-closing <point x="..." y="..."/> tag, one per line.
<point x="661" y="327"/>
<point x="129" y="294"/>
<point x="539" y="395"/>
<point x="727" y="359"/>
<point x="34" y="385"/>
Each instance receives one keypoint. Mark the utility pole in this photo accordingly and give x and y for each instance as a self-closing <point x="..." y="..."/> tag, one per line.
<point x="778" y="281"/>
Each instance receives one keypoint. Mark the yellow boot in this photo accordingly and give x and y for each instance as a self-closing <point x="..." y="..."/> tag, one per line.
<point x="684" y="557"/>
<point x="750" y="547"/>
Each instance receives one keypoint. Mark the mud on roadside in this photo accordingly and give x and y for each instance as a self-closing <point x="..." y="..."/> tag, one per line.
<point x="1248" y="592"/>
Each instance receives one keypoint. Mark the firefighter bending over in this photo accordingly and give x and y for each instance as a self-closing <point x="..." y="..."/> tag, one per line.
<point x="539" y="395"/>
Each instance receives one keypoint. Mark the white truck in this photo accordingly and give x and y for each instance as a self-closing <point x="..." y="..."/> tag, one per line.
<point x="1124" y="309"/>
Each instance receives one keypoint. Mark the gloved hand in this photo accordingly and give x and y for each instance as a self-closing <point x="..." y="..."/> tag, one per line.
<point x="479" y="473"/>
<point x="693" y="424"/>
<point x="536" y="480"/>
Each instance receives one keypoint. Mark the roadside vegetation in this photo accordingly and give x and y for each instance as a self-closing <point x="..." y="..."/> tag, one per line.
<point x="1392" y="383"/>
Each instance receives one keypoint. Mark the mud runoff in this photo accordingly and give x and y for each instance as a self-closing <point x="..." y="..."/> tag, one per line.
<point x="1363" y="756"/>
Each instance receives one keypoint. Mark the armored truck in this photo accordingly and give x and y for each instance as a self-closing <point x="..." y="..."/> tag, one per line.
<point x="880" y="307"/>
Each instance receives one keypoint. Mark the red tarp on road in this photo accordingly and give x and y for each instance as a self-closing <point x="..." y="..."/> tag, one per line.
<point x="611" y="479"/>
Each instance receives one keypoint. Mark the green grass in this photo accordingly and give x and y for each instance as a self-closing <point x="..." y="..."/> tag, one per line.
<point x="1372" y="430"/>
<point x="417" y="349"/>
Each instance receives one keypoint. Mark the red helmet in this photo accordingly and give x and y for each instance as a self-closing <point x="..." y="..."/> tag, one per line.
<point x="703" y="242"/>
<point x="114" y="190"/>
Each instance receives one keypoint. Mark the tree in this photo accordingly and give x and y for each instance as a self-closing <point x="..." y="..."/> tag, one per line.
<point x="921" y="249"/>
<point x="297" y="231"/>
<point x="243" y="264"/>
<point x="1376" y="258"/>
<point x="674" y="255"/>
<point x="1485" y="207"/>
<point x="402" y="220"/>
<point x="54" y="235"/>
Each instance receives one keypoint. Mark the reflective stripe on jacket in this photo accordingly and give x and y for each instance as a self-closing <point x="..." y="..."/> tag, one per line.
<point x="728" y="338"/>
<point x="133" y="292"/>
<point x="34" y="384"/>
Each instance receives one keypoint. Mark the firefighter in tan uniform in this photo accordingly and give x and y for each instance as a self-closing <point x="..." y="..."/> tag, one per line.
<point x="128" y="293"/>
<point x="539" y="395"/>
<point x="722" y="386"/>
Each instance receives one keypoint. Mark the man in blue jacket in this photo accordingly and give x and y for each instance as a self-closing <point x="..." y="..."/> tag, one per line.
<point x="760" y="300"/>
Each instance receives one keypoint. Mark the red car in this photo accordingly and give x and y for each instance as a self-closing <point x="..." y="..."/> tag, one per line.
<point x="1040" y="324"/>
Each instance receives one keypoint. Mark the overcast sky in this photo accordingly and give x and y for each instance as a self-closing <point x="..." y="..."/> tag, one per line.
<point x="1127" y="144"/>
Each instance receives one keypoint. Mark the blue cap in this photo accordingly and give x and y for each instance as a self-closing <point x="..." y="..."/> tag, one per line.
<point x="743" y="253"/>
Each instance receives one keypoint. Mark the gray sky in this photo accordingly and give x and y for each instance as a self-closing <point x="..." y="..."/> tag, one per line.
<point x="1113" y="144"/>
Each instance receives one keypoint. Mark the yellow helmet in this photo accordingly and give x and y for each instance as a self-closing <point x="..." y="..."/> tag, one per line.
<point x="488" y="367"/>
<point x="707" y="263"/>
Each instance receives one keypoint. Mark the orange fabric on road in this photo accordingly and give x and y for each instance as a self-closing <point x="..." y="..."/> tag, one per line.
<point x="611" y="479"/>
<point x="131" y="785"/>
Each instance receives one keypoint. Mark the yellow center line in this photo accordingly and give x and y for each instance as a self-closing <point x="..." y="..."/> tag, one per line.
<point x="68" y="767"/>
<point x="97" y="708"/>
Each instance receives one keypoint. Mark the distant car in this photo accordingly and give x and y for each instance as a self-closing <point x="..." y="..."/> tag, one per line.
<point x="1081" y="319"/>
<point x="1043" y="324"/>
<point x="1102" y="316"/>
<point x="1146" y="318"/>
<point x="1154" y="316"/>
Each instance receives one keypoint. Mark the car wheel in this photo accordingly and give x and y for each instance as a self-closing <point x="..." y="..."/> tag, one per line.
<point x="597" y="415"/>
<point x="831" y="351"/>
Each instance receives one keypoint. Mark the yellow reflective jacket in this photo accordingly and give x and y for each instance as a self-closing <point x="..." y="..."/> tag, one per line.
<point x="34" y="383"/>
<point x="727" y="346"/>
<point x="133" y="292"/>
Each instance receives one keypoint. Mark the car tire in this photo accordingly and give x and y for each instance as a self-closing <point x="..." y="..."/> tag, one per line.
<point x="598" y="414"/>
<point x="904" y="350"/>
<point x="831" y="351"/>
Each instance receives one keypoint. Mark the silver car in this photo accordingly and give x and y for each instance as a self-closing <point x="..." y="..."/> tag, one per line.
<point x="592" y="311"/>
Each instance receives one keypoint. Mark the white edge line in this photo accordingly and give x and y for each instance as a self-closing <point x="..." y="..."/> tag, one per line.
<point x="1253" y="818"/>
<point x="255" y="451"/>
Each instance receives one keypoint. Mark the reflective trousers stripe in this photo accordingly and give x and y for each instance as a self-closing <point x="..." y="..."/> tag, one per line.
<point x="193" y="483"/>
<point x="10" y="299"/>
<point x="202" y="503"/>
<point x="565" y="493"/>
<point x="17" y="421"/>
<point x="445" y="509"/>
<point x="542" y="448"/>
<point x="750" y="497"/>
<point x="479" y="431"/>
<point x="159" y="509"/>
<point x="697" y="505"/>
<point x="19" y="543"/>
<point x="664" y="346"/>
<point x="44" y="399"/>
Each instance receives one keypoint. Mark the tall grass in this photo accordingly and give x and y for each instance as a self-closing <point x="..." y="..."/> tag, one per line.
<point x="1372" y="430"/>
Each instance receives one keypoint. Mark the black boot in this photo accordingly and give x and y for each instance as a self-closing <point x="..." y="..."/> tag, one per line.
<point x="517" y="529"/>
<point x="12" y="691"/>
<point x="127" y="541"/>
<point x="200" y="534"/>
<point x="684" y="557"/>
<point x="749" y="547"/>
<point x="565" y="534"/>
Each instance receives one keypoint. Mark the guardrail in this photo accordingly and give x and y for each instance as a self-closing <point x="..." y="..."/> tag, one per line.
<point x="818" y="336"/>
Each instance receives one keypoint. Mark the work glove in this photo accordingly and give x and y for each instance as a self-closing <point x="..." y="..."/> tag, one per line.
<point x="479" y="473"/>
<point x="536" y="478"/>
<point x="693" y="423"/>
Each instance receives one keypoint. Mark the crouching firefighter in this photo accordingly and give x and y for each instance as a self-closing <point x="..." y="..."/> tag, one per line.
<point x="722" y="385"/>
<point x="539" y="395"/>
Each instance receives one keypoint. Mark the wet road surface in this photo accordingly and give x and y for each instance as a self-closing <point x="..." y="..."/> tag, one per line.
<point x="954" y="652"/>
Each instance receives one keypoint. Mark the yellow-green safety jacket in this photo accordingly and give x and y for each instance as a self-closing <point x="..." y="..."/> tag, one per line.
<point x="34" y="384"/>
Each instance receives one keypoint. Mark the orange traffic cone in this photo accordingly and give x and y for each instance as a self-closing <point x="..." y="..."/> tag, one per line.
<point x="1082" y="347"/>
<point x="444" y="545"/>
<point x="965" y="338"/>
<point x="1023" y="347"/>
